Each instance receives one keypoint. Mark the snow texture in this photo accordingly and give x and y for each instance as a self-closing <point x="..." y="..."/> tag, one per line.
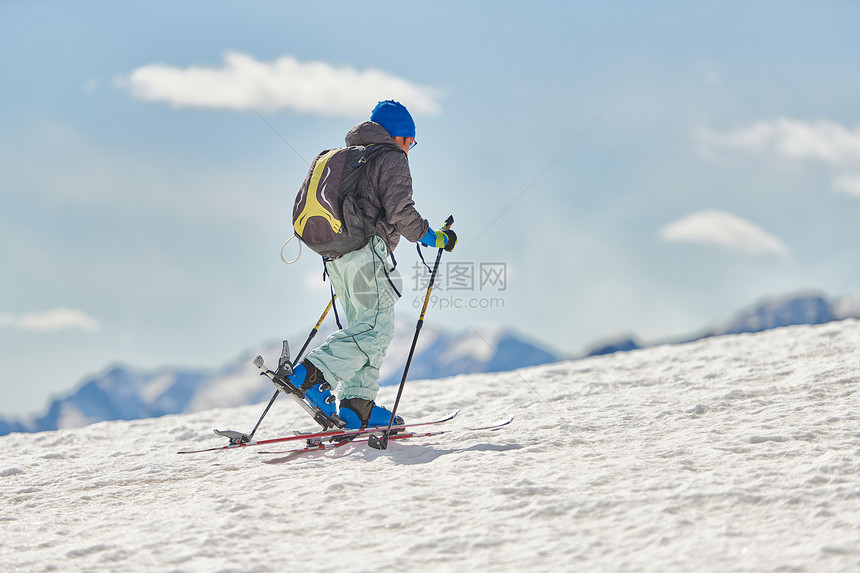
<point x="733" y="453"/>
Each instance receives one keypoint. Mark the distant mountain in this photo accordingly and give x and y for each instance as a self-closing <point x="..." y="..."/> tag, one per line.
<point x="125" y="393"/>
<point x="120" y="393"/>
<point x="769" y="313"/>
<point x="766" y="314"/>
<point x="611" y="346"/>
<point x="443" y="353"/>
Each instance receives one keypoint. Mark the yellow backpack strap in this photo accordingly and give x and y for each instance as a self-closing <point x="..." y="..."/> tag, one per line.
<point x="313" y="206"/>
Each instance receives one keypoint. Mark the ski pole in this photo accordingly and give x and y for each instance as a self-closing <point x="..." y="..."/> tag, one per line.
<point x="298" y="357"/>
<point x="381" y="443"/>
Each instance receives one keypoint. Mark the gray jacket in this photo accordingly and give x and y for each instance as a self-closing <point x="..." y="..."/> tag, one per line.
<point x="385" y="189"/>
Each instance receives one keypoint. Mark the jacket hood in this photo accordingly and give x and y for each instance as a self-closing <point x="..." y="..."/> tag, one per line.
<point x="367" y="133"/>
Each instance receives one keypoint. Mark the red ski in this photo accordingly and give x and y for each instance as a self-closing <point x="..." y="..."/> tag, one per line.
<point x="328" y="445"/>
<point x="337" y="435"/>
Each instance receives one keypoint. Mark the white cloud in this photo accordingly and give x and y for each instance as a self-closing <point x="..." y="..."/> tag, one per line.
<point x="848" y="184"/>
<point x="243" y="83"/>
<point x="821" y="140"/>
<point x="718" y="228"/>
<point x="50" y="321"/>
<point x="824" y="141"/>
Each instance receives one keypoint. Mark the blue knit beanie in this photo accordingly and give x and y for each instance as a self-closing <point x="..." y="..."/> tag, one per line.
<point x="394" y="118"/>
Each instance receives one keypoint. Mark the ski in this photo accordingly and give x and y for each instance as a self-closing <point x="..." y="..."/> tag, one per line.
<point x="331" y="445"/>
<point x="330" y="434"/>
<point x="500" y="423"/>
<point x="323" y="446"/>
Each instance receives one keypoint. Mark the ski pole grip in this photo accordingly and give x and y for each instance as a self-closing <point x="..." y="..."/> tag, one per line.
<point x="448" y="222"/>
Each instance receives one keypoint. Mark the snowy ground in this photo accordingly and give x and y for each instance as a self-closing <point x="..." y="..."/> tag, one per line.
<point x="739" y="453"/>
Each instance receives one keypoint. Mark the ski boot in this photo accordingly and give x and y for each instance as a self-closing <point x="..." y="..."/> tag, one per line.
<point x="313" y="387"/>
<point x="359" y="413"/>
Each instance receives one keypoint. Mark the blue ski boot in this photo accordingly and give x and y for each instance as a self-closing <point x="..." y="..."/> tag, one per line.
<point x="317" y="391"/>
<point x="359" y="413"/>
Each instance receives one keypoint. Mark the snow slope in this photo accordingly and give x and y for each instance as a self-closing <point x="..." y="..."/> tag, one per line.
<point x="735" y="453"/>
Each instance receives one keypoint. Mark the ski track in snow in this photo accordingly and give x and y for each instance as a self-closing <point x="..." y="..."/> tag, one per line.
<point x="738" y="453"/>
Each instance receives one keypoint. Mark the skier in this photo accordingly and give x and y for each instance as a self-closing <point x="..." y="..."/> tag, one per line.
<point x="350" y="359"/>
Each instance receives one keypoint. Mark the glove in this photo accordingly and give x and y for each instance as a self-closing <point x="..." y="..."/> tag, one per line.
<point x="442" y="239"/>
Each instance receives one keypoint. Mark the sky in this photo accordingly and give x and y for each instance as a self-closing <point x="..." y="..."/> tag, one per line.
<point x="612" y="168"/>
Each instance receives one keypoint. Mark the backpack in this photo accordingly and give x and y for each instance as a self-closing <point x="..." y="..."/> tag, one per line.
<point x="325" y="215"/>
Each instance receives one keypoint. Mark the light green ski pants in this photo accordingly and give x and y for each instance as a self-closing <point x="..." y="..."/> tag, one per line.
<point x="350" y="358"/>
